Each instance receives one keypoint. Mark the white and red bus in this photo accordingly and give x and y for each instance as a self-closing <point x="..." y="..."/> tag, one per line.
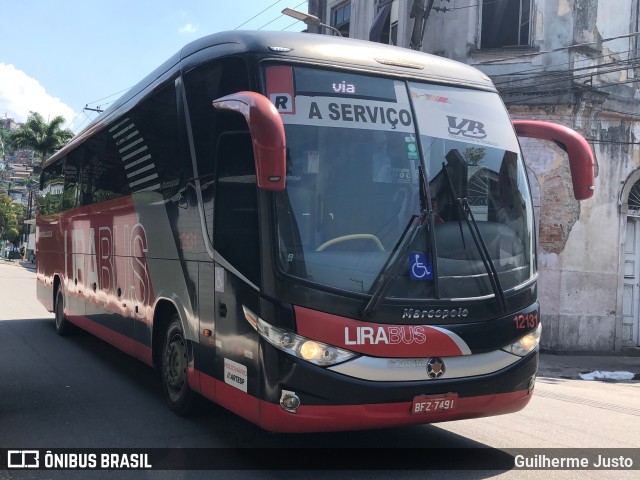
<point x="316" y="233"/>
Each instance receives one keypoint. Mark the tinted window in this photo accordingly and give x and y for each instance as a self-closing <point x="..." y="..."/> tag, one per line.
<point x="52" y="186"/>
<point x="103" y="176"/>
<point x="204" y="84"/>
<point x="71" y="181"/>
<point x="236" y="216"/>
<point x="156" y="120"/>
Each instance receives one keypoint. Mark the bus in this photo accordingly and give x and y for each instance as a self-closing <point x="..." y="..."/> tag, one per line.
<point x="315" y="233"/>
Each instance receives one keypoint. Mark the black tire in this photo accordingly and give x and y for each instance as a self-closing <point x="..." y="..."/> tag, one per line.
<point x="175" y="362"/>
<point x="63" y="326"/>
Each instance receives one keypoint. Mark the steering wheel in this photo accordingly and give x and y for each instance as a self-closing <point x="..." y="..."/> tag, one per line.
<point x="354" y="236"/>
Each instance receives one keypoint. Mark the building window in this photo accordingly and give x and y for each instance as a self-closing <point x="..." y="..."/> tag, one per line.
<point x="637" y="24"/>
<point x="385" y="23"/>
<point x="634" y="200"/>
<point x="505" y="23"/>
<point x="341" y="18"/>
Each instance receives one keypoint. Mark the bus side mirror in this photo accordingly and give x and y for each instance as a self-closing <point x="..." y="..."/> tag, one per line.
<point x="267" y="136"/>
<point x="581" y="160"/>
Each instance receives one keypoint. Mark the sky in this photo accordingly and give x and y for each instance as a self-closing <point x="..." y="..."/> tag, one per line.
<point x="56" y="57"/>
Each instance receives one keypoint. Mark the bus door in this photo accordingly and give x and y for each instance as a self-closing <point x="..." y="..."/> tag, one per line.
<point x="236" y="271"/>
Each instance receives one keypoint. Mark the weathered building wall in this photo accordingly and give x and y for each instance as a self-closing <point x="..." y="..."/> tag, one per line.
<point x="580" y="243"/>
<point x="573" y="74"/>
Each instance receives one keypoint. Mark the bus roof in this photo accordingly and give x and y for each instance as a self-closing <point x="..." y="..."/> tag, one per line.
<point x="297" y="47"/>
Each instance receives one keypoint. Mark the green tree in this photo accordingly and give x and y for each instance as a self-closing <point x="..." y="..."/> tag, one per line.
<point x="11" y="215"/>
<point x="5" y="143"/>
<point x="40" y="136"/>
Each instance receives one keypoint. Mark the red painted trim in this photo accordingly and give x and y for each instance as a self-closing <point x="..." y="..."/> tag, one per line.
<point x="314" y="418"/>
<point x="280" y="81"/>
<point x="118" y="340"/>
<point x="360" y="417"/>
<point x="242" y="404"/>
<point x="378" y="340"/>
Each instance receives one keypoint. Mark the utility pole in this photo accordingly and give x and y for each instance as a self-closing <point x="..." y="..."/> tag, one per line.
<point x="419" y="12"/>
<point x="99" y="110"/>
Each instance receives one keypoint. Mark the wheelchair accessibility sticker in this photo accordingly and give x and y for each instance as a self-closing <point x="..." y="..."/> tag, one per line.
<point x="420" y="266"/>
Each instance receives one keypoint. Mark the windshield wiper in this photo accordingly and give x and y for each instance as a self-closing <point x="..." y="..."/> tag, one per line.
<point x="389" y="270"/>
<point x="465" y="209"/>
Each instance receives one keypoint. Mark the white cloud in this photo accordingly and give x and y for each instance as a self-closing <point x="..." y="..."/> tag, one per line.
<point x="20" y="94"/>
<point x="188" y="28"/>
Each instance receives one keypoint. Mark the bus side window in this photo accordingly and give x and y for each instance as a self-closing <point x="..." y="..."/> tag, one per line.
<point x="103" y="173"/>
<point x="156" y="118"/>
<point x="71" y="181"/>
<point x="52" y="186"/>
<point x="203" y="84"/>
<point x="236" y="206"/>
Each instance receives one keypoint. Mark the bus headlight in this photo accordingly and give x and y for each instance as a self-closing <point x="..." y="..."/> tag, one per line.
<point x="526" y="344"/>
<point x="313" y="351"/>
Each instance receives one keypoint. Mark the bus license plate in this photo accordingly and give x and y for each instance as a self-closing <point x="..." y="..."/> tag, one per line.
<point x="434" y="403"/>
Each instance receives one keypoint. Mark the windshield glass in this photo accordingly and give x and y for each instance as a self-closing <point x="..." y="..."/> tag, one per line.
<point x="471" y="152"/>
<point x="353" y="186"/>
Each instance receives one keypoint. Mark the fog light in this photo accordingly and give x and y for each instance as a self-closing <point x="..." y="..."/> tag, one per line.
<point x="289" y="401"/>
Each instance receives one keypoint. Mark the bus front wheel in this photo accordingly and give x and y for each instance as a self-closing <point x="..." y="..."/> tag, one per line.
<point x="63" y="327"/>
<point x="175" y="385"/>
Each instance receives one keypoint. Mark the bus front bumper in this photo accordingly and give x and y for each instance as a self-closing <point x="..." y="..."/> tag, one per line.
<point x="316" y="418"/>
<point x="330" y="401"/>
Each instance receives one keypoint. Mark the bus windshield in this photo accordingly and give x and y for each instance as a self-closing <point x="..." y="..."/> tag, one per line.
<point x="355" y="144"/>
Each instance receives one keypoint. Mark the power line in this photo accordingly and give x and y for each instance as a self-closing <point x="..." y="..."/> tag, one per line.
<point x="631" y="117"/>
<point x="257" y="14"/>
<point x="280" y="16"/>
<point x="613" y="142"/>
<point x="242" y="24"/>
<point x="72" y="121"/>
<point x="560" y="91"/>
<point x="569" y="76"/>
<point x="559" y="49"/>
<point x="447" y="9"/>
<point x="289" y="26"/>
<point x="109" y="96"/>
<point x="545" y="69"/>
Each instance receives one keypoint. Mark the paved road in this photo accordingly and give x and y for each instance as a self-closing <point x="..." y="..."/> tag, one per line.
<point x="79" y="392"/>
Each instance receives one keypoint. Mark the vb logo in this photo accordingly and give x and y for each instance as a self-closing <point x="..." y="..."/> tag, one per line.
<point x="466" y="127"/>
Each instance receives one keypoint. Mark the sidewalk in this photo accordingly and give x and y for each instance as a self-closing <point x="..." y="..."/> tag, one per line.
<point x="571" y="366"/>
<point x="19" y="263"/>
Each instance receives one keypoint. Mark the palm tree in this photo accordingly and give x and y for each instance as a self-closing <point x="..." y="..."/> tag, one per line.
<point x="42" y="137"/>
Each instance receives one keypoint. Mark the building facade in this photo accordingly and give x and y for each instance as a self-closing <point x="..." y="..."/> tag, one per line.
<point x="574" y="62"/>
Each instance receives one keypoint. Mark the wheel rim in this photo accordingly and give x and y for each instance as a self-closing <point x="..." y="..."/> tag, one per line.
<point x="176" y="365"/>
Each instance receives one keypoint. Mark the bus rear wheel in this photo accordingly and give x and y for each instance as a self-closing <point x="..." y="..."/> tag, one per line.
<point x="63" y="327"/>
<point x="175" y="384"/>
